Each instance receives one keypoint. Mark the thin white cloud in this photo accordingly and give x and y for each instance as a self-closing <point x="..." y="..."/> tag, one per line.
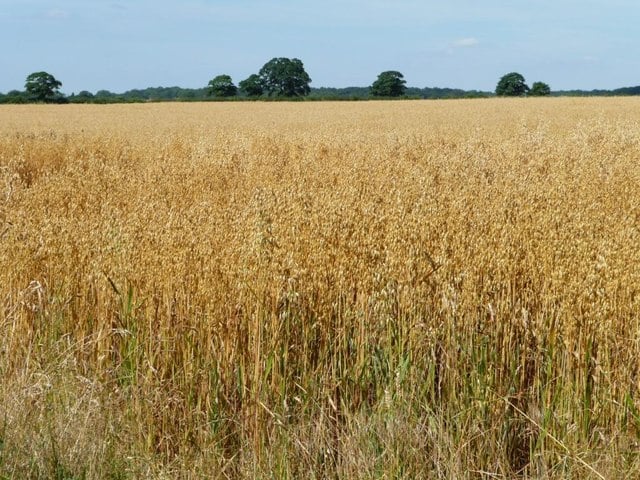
<point x="466" y="42"/>
<point x="57" y="14"/>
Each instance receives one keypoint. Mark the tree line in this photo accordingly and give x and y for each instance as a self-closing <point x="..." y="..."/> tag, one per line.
<point x="281" y="78"/>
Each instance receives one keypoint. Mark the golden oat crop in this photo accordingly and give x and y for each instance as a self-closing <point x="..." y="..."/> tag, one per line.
<point x="418" y="289"/>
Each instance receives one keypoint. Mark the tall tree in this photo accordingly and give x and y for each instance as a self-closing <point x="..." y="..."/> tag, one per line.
<point x="252" y="85"/>
<point x="512" y="85"/>
<point x="389" y="84"/>
<point x="222" y="86"/>
<point x="43" y="87"/>
<point x="284" y="77"/>
<point x="540" y="89"/>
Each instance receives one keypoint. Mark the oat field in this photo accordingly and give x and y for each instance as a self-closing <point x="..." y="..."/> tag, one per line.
<point x="412" y="289"/>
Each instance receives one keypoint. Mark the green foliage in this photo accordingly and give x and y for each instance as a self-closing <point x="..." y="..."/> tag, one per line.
<point x="104" y="94"/>
<point x="512" y="85"/>
<point x="85" y="94"/>
<point x="186" y="94"/>
<point x="43" y="87"/>
<point x="14" y="96"/>
<point x="284" y="77"/>
<point x="627" y="91"/>
<point x="83" y="97"/>
<point x="252" y="86"/>
<point x="540" y="89"/>
<point x="389" y="84"/>
<point x="222" y="86"/>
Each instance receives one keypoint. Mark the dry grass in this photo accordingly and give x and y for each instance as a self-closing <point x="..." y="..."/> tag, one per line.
<point x="353" y="290"/>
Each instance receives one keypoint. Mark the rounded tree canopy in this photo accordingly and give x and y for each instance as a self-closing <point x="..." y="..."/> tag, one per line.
<point x="42" y="86"/>
<point x="512" y="85"/>
<point x="389" y="84"/>
<point x="540" y="89"/>
<point x="222" y="86"/>
<point x="285" y="77"/>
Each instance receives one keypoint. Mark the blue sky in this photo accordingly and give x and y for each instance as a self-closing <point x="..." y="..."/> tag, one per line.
<point x="119" y="45"/>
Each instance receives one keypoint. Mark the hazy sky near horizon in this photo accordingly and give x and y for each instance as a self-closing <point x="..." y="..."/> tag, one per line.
<point x="119" y="45"/>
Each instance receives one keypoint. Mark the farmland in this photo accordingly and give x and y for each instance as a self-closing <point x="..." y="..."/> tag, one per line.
<point x="412" y="289"/>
